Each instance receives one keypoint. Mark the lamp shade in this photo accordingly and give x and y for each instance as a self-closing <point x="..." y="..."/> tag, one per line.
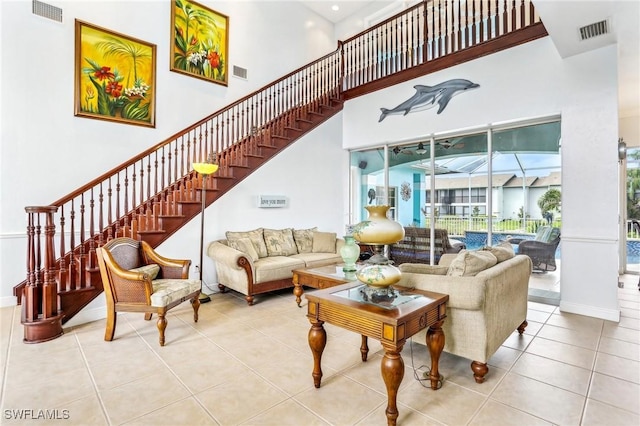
<point x="378" y="228"/>
<point x="205" y="168"/>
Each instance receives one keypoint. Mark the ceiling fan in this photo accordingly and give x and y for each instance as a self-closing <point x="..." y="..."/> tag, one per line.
<point x="420" y="150"/>
<point x="448" y="144"/>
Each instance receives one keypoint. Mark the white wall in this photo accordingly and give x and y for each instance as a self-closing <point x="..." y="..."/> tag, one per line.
<point x="521" y="83"/>
<point x="47" y="153"/>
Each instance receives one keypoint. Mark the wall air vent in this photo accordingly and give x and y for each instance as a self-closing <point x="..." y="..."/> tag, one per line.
<point x="46" y="10"/>
<point x="594" y="30"/>
<point x="239" y="72"/>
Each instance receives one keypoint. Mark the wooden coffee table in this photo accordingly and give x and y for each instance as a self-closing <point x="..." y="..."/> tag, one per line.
<point x="320" y="277"/>
<point x="391" y="320"/>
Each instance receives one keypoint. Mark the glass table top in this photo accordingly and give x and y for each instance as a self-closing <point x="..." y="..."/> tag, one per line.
<point x="387" y="298"/>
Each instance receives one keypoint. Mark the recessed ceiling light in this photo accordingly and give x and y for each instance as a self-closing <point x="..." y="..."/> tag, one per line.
<point x="335" y="8"/>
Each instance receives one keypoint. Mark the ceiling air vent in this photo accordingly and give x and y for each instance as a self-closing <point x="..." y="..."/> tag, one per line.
<point x="46" y="10"/>
<point x="239" y="72"/>
<point x="594" y="30"/>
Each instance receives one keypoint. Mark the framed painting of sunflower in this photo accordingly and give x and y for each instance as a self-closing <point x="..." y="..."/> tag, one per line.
<point x="199" y="42"/>
<point x="115" y="76"/>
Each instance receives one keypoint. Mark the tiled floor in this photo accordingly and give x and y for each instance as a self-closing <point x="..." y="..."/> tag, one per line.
<point x="243" y="365"/>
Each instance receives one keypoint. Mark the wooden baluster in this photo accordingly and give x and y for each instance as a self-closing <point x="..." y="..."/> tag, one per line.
<point x="109" y="208"/>
<point x="63" y="273"/>
<point x="72" y="246"/>
<point x="50" y="306"/>
<point x="101" y="216"/>
<point x="31" y="298"/>
<point x="513" y="15"/>
<point x="522" y="10"/>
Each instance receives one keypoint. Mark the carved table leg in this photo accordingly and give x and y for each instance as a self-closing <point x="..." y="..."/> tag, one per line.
<point x="435" y="343"/>
<point x="392" y="368"/>
<point x="317" y="342"/>
<point x="297" y="289"/>
<point x="364" y="348"/>
<point x="162" y="325"/>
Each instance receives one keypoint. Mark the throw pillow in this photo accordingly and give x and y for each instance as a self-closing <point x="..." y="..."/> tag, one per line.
<point x="257" y="239"/>
<point x="502" y="251"/>
<point x="304" y="239"/>
<point x="421" y="268"/>
<point x="324" y="242"/>
<point x="151" y="269"/>
<point x="280" y="242"/>
<point x="469" y="263"/>
<point x="245" y="246"/>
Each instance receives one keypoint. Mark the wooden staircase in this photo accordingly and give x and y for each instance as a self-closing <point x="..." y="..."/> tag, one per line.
<point x="154" y="194"/>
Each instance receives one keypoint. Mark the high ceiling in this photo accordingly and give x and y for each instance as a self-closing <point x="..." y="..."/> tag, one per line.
<point x="562" y="18"/>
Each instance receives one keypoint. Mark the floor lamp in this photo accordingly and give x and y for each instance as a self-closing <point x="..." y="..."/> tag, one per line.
<point x="205" y="169"/>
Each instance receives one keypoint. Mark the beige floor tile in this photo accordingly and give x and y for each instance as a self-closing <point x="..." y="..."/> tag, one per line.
<point x="576" y="322"/>
<point x="574" y="355"/>
<point x="541" y="400"/>
<point x="619" y="367"/>
<point x="599" y="414"/>
<point x="70" y="385"/>
<point x="584" y="338"/>
<point x="142" y="396"/>
<point x="205" y="369"/>
<point x="633" y="323"/>
<point x="629" y="313"/>
<point x="620" y="348"/>
<point x="85" y="411"/>
<point x="494" y="412"/>
<point x="518" y="341"/>
<point x="287" y="413"/>
<point x="615" y="331"/>
<point x="406" y="417"/>
<point x="555" y="373"/>
<point x="451" y="404"/>
<point x="541" y="307"/>
<point x="617" y="392"/>
<point x="538" y="316"/>
<point x="118" y="371"/>
<point x="186" y="412"/>
<point x="341" y="401"/>
<point x="237" y="401"/>
<point x="533" y="327"/>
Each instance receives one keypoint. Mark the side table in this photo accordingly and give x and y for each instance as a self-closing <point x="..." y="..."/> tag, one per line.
<point x="391" y="320"/>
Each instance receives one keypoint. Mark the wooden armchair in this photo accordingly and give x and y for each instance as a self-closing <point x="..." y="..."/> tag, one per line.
<point x="137" y="279"/>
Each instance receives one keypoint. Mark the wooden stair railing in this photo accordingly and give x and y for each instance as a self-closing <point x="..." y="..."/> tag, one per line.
<point x="155" y="193"/>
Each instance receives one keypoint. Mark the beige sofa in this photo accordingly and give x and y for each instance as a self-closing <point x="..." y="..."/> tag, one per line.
<point x="261" y="260"/>
<point x="485" y="306"/>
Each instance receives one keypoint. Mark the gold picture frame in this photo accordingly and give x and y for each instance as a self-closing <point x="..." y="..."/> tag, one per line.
<point x="199" y="42"/>
<point x="115" y="76"/>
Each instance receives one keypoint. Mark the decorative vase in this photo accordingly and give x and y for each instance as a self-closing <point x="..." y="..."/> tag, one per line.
<point x="378" y="230"/>
<point x="350" y="252"/>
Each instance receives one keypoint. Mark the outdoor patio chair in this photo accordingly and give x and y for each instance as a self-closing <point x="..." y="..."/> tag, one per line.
<point x="541" y="249"/>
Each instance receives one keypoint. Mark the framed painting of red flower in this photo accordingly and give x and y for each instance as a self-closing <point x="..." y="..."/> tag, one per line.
<point x="115" y="76"/>
<point x="199" y="42"/>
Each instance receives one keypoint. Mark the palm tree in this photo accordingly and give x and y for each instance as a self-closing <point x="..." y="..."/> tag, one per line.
<point x="550" y="200"/>
<point x="122" y="48"/>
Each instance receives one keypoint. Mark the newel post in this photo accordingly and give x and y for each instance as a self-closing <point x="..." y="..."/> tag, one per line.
<point x="41" y="314"/>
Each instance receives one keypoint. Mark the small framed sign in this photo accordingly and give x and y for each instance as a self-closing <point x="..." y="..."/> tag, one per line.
<point x="272" y="201"/>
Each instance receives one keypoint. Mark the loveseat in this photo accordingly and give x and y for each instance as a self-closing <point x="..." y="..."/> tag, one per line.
<point x="261" y="260"/>
<point x="415" y="247"/>
<point x="488" y="292"/>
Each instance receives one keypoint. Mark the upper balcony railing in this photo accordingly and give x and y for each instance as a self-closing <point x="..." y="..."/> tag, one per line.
<point x="428" y="31"/>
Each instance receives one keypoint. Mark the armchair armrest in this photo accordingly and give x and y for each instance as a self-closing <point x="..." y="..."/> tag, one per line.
<point x="515" y="240"/>
<point x="169" y="268"/>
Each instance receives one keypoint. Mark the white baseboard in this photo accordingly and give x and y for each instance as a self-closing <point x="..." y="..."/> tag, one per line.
<point x="591" y="311"/>
<point x="87" y="315"/>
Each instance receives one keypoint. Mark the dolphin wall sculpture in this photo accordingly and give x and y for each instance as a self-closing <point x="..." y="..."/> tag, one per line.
<point x="427" y="97"/>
